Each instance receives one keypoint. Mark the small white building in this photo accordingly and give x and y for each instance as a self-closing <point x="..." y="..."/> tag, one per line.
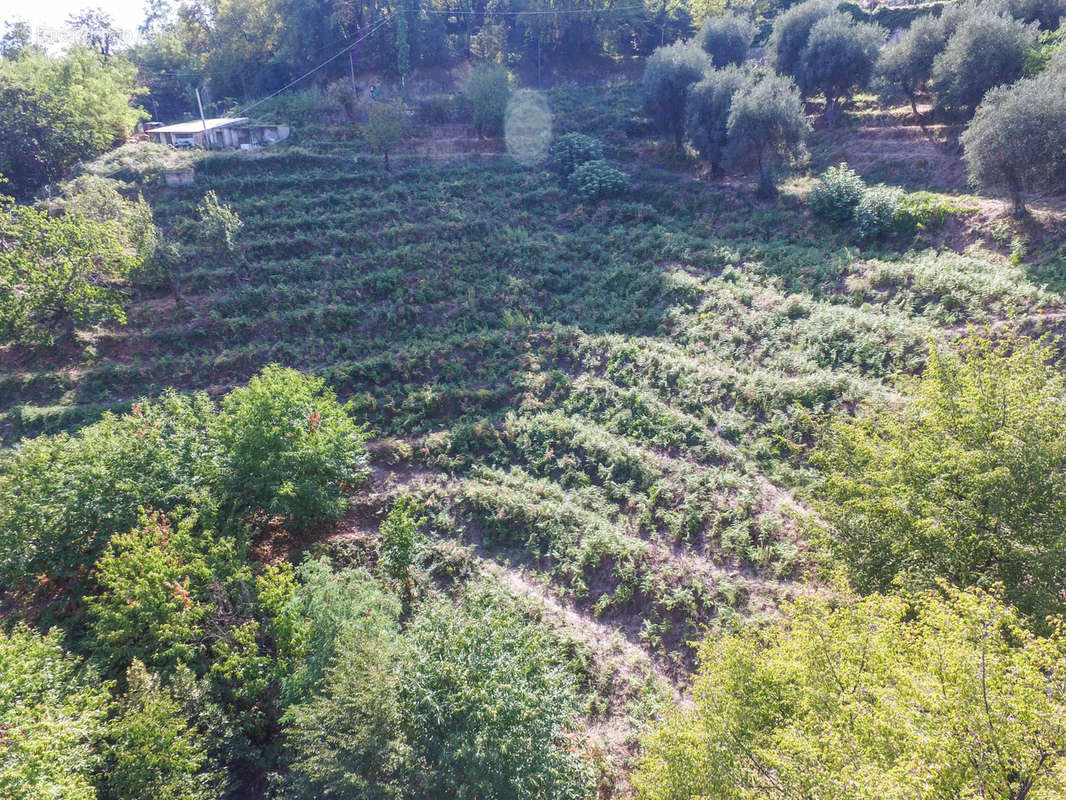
<point x="233" y="132"/>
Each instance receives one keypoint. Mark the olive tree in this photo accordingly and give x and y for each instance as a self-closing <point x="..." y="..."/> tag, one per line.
<point x="726" y="38"/>
<point x="766" y="127"/>
<point x="489" y="91"/>
<point x="668" y="74"/>
<point x="905" y="64"/>
<point x="986" y="50"/>
<point x="789" y="36"/>
<point x="709" y="102"/>
<point x="839" y="58"/>
<point x="1017" y="139"/>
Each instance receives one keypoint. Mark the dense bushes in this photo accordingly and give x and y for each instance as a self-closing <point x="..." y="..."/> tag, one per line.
<point x="668" y="74"/>
<point x="282" y="446"/>
<point x="841" y="196"/>
<point x="594" y="180"/>
<point x="966" y="483"/>
<point x="881" y="697"/>
<point x="571" y="150"/>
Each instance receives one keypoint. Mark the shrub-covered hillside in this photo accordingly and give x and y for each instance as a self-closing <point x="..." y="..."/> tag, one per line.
<point x="659" y="453"/>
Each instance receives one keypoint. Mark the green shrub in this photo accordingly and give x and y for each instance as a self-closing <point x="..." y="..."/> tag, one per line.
<point x="595" y="180"/>
<point x="53" y="712"/>
<point x="219" y="226"/>
<point x="489" y="91"/>
<point x="875" y="215"/>
<point x="922" y="211"/>
<point x="571" y="150"/>
<point x="288" y="449"/>
<point x="154" y="750"/>
<point x="837" y="194"/>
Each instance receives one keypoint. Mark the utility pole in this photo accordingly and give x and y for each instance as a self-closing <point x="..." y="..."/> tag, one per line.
<point x="202" y="120"/>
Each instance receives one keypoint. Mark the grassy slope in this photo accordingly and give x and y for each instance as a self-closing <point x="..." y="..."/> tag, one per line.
<point x="604" y="407"/>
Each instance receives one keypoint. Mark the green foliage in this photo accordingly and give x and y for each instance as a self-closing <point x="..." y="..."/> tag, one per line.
<point x="877" y="211"/>
<point x="709" y="102"/>
<point x="52" y="710"/>
<point x="965" y="483"/>
<point x="596" y="180"/>
<point x="1017" y="138"/>
<point x="345" y="729"/>
<point x="327" y="614"/>
<point x="397" y="539"/>
<point x="59" y="274"/>
<point x="985" y="50"/>
<point x="837" y="194"/>
<point x="384" y="127"/>
<point x="571" y="150"/>
<point x="936" y="694"/>
<point x="154" y="751"/>
<point x="668" y="74"/>
<point x="767" y="127"/>
<point x="726" y="38"/>
<point x="488" y="92"/>
<point x="1047" y="13"/>
<point x="219" y="226"/>
<point x="63" y="497"/>
<point x="838" y="58"/>
<point x="101" y="200"/>
<point x="289" y="449"/>
<point x="483" y="687"/>
<point x="789" y="38"/>
<point x="150" y="606"/>
<point x="56" y="111"/>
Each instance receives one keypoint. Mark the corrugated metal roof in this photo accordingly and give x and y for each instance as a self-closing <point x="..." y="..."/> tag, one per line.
<point x="196" y="126"/>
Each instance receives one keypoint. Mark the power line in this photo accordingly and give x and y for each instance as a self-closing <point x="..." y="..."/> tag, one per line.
<point x="377" y="26"/>
<point x="471" y="12"/>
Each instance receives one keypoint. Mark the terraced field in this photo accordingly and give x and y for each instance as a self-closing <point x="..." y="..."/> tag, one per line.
<point x="604" y="407"/>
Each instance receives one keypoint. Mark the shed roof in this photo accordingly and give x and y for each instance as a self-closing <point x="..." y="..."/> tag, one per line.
<point x="197" y="126"/>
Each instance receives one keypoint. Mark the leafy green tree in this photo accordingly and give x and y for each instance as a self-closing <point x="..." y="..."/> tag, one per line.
<point x="726" y="38"/>
<point x="52" y="711"/>
<point x="345" y="729"/>
<point x="839" y="58"/>
<point x="766" y="127"/>
<point x="99" y="199"/>
<point x="219" y="226"/>
<point x="784" y="50"/>
<point x="288" y="449"/>
<point x="150" y="606"/>
<point x="482" y="687"/>
<point x="709" y="102"/>
<point x="936" y="695"/>
<point x="154" y="750"/>
<point x="1047" y="13"/>
<point x="59" y="274"/>
<point x="57" y="111"/>
<point x="325" y="611"/>
<point x="986" y="50"/>
<point x="97" y="30"/>
<point x="384" y="127"/>
<point x="668" y="74"/>
<point x="905" y="65"/>
<point x="1017" y="138"/>
<point x="965" y="483"/>
<point x="17" y="39"/>
<point x="488" y="92"/>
